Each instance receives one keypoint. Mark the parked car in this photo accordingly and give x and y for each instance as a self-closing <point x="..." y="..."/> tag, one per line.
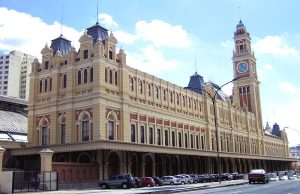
<point x="182" y="179"/>
<point x="189" y="179"/>
<point x="124" y="181"/>
<point x="226" y="177"/>
<point x="194" y="177"/>
<point x="137" y="182"/>
<point x="147" y="182"/>
<point x="157" y="181"/>
<point x="258" y="175"/>
<point x="170" y="180"/>
<point x="203" y="178"/>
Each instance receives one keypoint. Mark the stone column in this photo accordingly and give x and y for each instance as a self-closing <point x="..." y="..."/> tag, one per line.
<point x="46" y="159"/>
<point x="2" y="150"/>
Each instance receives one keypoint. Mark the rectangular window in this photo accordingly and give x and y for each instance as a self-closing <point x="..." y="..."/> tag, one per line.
<point x="192" y="141"/>
<point x="142" y="128"/>
<point x="62" y="133"/>
<point x="166" y="137"/>
<point x="85" y="130"/>
<point x="132" y="132"/>
<point x="85" y="54"/>
<point x="158" y="137"/>
<point x="44" y="135"/>
<point x="197" y="141"/>
<point x="173" y="138"/>
<point x="186" y="140"/>
<point x="150" y="135"/>
<point x="179" y="140"/>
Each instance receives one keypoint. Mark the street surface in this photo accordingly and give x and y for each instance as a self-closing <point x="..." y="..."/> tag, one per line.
<point x="274" y="187"/>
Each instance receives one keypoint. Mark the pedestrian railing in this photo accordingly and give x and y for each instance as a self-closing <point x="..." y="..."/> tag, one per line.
<point x="30" y="181"/>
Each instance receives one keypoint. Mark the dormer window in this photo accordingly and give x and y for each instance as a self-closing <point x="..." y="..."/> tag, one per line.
<point x="110" y="54"/>
<point x="47" y="65"/>
<point x="85" y="54"/>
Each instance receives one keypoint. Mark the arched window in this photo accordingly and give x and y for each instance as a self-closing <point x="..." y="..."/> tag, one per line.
<point x="177" y="95"/>
<point x="85" y="76"/>
<point x="183" y="100"/>
<point x="79" y="77"/>
<point x="156" y="92"/>
<point x="44" y="135"/>
<point x="140" y="86"/>
<point x="189" y="103"/>
<point x="106" y="75"/>
<point x="46" y="84"/>
<point x="41" y="86"/>
<point x="195" y="104"/>
<point x="91" y="74"/>
<point x="116" y="78"/>
<point x="149" y="89"/>
<point x="111" y="127"/>
<point x="85" y="129"/>
<point x="164" y="95"/>
<point x="65" y="81"/>
<point x="131" y="86"/>
<point x="110" y="76"/>
<point x="62" y="130"/>
<point x="50" y="87"/>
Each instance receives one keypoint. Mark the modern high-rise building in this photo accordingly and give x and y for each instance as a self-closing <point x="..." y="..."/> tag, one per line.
<point x="101" y="117"/>
<point x="15" y="68"/>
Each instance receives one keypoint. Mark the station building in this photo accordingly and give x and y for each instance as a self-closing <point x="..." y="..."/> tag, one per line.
<point x="101" y="117"/>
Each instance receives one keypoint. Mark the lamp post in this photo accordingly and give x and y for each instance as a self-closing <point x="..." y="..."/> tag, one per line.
<point x="213" y="99"/>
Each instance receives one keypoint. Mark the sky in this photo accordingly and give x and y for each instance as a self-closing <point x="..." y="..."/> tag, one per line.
<point x="172" y="39"/>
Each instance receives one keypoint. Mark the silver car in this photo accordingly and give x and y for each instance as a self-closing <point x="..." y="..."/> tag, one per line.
<point x="170" y="180"/>
<point x="182" y="179"/>
<point x="189" y="179"/>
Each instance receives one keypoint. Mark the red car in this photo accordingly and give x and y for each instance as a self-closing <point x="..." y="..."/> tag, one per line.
<point x="147" y="182"/>
<point x="258" y="175"/>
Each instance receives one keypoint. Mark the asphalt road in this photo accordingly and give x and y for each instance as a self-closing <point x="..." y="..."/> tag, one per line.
<point x="274" y="187"/>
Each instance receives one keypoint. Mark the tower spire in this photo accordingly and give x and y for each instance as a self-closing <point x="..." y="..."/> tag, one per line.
<point x="195" y="61"/>
<point x="62" y="16"/>
<point x="97" y="14"/>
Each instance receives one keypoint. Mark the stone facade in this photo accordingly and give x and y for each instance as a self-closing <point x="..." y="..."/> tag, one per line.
<point x="95" y="111"/>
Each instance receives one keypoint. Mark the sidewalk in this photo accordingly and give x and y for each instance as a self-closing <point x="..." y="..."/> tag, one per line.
<point x="144" y="190"/>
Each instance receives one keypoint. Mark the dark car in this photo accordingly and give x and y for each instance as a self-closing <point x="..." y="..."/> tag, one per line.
<point x="258" y="175"/>
<point x="195" y="178"/>
<point x="226" y="177"/>
<point x="157" y="181"/>
<point x="203" y="178"/>
<point x="124" y="181"/>
<point x="147" y="182"/>
<point x="137" y="182"/>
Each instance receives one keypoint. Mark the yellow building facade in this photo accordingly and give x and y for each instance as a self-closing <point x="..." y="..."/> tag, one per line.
<point x="101" y="117"/>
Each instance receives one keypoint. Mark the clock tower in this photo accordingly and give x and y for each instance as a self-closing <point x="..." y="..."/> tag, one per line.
<point x="246" y="88"/>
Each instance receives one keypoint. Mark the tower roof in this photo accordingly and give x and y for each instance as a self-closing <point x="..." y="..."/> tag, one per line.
<point x="96" y="31"/>
<point x="61" y="44"/>
<point x="240" y="24"/>
<point x="196" y="83"/>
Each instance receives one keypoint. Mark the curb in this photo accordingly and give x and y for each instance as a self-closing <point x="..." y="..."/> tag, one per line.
<point x="204" y="187"/>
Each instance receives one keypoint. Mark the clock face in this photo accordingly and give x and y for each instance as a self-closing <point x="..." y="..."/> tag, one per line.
<point x="242" y="67"/>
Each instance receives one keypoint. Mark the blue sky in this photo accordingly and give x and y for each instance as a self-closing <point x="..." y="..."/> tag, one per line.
<point x="164" y="37"/>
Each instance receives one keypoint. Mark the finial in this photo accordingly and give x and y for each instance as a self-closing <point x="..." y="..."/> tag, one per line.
<point x="62" y="16"/>
<point x="195" y="53"/>
<point x="97" y="14"/>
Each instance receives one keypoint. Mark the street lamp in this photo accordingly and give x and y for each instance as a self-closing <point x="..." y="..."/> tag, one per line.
<point x="213" y="99"/>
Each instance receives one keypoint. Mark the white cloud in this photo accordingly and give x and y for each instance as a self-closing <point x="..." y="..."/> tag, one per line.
<point x="268" y="67"/>
<point x="21" y="31"/>
<point x="124" y="37"/>
<point x="274" y="45"/>
<point x="150" y="60"/>
<point x="287" y="115"/>
<point x="160" y="33"/>
<point x="107" y="20"/>
<point x="288" y="87"/>
<point x="227" y="44"/>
